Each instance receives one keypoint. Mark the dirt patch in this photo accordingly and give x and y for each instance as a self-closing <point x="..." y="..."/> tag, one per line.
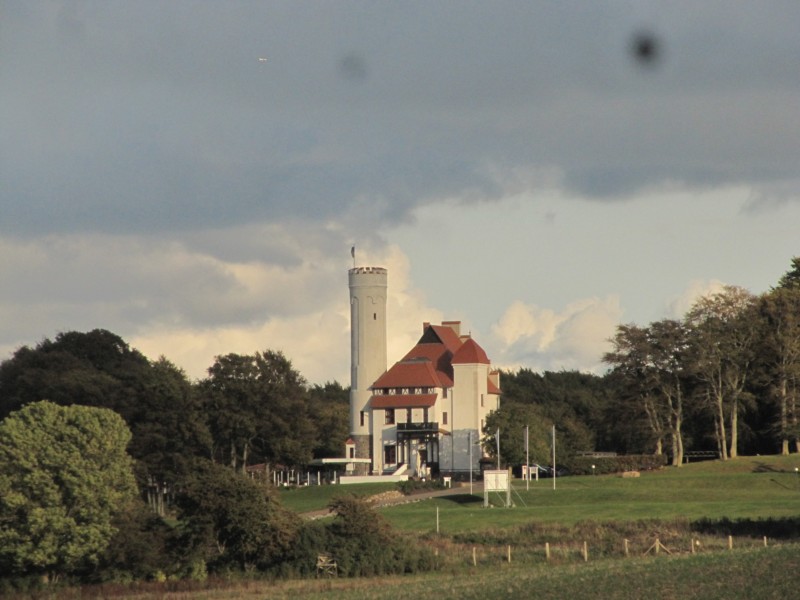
<point x="385" y="496"/>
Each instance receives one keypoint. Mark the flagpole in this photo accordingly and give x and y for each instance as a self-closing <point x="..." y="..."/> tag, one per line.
<point x="498" y="448"/>
<point x="554" y="457"/>
<point x="527" y="462"/>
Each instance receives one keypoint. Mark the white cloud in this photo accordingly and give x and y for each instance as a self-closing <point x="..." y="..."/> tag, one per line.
<point x="543" y="339"/>
<point x="317" y="343"/>
<point x="183" y="300"/>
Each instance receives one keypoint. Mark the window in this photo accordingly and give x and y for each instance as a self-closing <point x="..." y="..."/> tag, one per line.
<point x="425" y="415"/>
<point x="389" y="455"/>
<point x="362" y="418"/>
<point x="444" y="418"/>
<point x="352" y="452"/>
<point x="389" y="416"/>
<point x="444" y="392"/>
<point x="408" y="415"/>
<point x="481" y="400"/>
<point x="374" y="316"/>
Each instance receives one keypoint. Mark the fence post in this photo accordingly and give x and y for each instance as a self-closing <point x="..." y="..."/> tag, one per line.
<point x="730" y="542"/>
<point x="509" y="554"/>
<point x="765" y="541"/>
<point x="547" y="550"/>
<point x="585" y="551"/>
<point x="692" y="545"/>
<point x="474" y="557"/>
<point x="626" y="546"/>
<point x="658" y="545"/>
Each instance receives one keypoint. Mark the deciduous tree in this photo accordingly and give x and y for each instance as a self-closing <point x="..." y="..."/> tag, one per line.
<point x="64" y="473"/>
<point x="257" y="406"/>
<point x="723" y="333"/>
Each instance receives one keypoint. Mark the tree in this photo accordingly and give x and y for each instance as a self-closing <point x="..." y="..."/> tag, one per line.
<point x="571" y="400"/>
<point x="791" y="279"/>
<point x="633" y="368"/>
<point x="722" y="339"/>
<point x="98" y="368"/>
<point x="667" y="345"/>
<point x="330" y="405"/>
<point x="779" y="352"/>
<point x="64" y="474"/>
<point x="258" y="410"/>
<point x="232" y="520"/>
<point x="511" y="419"/>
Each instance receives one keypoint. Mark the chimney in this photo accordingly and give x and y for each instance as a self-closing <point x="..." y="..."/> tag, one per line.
<point x="454" y="325"/>
<point x="494" y="377"/>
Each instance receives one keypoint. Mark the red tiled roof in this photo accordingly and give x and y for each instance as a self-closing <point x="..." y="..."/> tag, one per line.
<point x="409" y="373"/>
<point x="470" y="353"/>
<point x="430" y="362"/>
<point x="491" y="387"/>
<point x="403" y="400"/>
<point x="448" y="337"/>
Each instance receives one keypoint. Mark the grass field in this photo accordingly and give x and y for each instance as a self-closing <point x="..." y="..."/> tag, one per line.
<point x="746" y="498"/>
<point x="766" y="573"/>
<point x="746" y="487"/>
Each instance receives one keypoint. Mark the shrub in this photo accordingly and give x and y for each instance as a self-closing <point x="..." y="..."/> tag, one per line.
<point x="582" y="465"/>
<point x="361" y="541"/>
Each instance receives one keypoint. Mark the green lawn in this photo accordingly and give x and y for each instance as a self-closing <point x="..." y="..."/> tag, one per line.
<point x="747" y="487"/>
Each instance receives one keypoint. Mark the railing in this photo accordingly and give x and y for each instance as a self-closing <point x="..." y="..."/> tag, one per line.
<point x="417" y="427"/>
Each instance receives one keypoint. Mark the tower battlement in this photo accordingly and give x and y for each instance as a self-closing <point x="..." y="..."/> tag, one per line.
<point x="368" y="271"/>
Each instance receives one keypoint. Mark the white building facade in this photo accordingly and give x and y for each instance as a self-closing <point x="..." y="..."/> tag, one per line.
<point x="424" y="415"/>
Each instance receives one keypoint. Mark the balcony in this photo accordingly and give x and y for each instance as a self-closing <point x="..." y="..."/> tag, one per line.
<point x="406" y="431"/>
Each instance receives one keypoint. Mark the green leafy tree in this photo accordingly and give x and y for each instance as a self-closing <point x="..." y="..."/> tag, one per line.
<point x="632" y="369"/>
<point x="571" y="400"/>
<point x="511" y="419"/>
<point x="142" y="547"/>
<point x="98" y="368"/>
<point x="779" y="356"/>
<point x="791" y="279"/>
<point x="64" y="474"/>
<point x="258" y="410"/>
<point x="231" y="520"/>
<point x="723" y="334"/>
<point x="650" y="364"/>
<point x="364" y="544"/>
<point x="330" y="405"/>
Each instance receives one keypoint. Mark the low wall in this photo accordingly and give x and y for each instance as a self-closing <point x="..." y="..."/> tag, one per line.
<point x="347" y="479"/>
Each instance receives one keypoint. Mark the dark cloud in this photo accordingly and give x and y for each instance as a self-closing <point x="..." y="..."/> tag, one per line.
<point x="147" y="117"/>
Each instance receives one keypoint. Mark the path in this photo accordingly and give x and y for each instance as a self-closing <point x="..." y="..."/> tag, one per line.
<point x="457" y="490"/>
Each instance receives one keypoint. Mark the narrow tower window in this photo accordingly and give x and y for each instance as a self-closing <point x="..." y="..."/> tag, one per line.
<point x="374" y="316"/>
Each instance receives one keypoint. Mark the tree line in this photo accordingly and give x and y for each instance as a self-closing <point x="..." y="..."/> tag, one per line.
<point x="249" y="409"/>
<point x="725" y="379"/>
<point x="722" y="378"/>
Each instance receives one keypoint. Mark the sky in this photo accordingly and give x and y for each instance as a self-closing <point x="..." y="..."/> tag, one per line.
<point x="518" y="166"/>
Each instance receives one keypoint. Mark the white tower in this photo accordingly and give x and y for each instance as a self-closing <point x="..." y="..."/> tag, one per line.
<point x="367" y="348"/>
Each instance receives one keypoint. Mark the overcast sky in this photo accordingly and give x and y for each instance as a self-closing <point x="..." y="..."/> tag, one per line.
<point x="513" y="164"/>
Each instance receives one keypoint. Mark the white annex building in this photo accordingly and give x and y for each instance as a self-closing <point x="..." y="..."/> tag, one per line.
<point x="424" y="415"/>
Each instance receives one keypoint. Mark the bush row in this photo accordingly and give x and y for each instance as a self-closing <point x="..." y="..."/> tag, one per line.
<point x="582" y="465"/>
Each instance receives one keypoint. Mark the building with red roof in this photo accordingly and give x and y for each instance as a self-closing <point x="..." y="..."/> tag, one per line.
<point x="425" y="414"/>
